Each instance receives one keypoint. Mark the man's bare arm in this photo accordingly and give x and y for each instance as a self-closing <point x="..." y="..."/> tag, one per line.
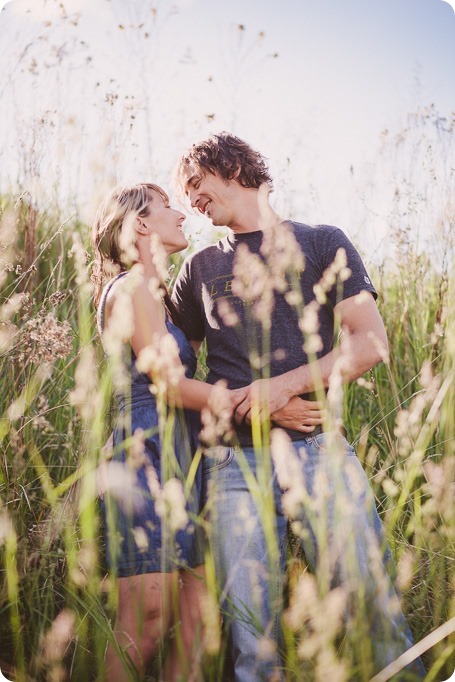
<point x="364" y="345"/>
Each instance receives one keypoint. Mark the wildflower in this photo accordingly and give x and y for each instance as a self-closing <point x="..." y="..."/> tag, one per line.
<point x="436" y="334"/>
<point x="266" y="648"/>
<point x="289" y="473"/>
<point x="170" y="505"/>
<point x="8" y="236"/>
<point x="337" y="270"/>
<point x="368" y="385"/>
<point x="41" y="423"/>
<point x="12" y="305"/>
<point x="409" y="421"/>
<point x="17" y="408"/>
<point x="309" y="326"/>
<point x="162" y="361"/>
<point x="335" y="390"/>
<point x="127" y="240"/>
<point x="252" y="284"/>
<point x="86" y="395"/>
<point x="170" y="501"/>
<point x="87" y="558"/>
<point x="81" y="258"/>
<point x="294" y="298"/>
<point x="247" y="519"/>
<point x="140" y="538"/>
<point x="379" y="346"/>
<point x="390" y="487"/>
<point x="119" y="481"/>
<point x="152" y="481"/>
<point x="282" y="254"/>
<point x="136" y="450"/>
<point x="44" y="339"/>
<point x="426" y="375"/>
<point x="57" y="297"/>
<point x="156" y="289"/>
<point x="58" y="637"/>
<point x="405" y="569"/>
<point x="7" y="531"/>
<point x="212" y="623"/>
<point x="319" y="619"/>
<point x="257" y="277"/>
<point x="216" y="417"/>
<point x="120" y="324"/>
<point x="159" y="257"/>
<point x="440" y="484"/>
<point x="7" y="333"/>
<point x="227" y="313"/>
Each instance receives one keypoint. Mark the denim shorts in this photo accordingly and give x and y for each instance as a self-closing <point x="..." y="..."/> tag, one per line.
<point x="151" y="527"/>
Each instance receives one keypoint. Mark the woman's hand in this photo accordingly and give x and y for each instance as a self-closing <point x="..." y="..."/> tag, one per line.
<point x="265" y="396"/>
<point x="300" y="415"/>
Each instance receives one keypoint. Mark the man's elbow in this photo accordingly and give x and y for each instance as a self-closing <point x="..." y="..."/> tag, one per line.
<point x="379" y="348"/>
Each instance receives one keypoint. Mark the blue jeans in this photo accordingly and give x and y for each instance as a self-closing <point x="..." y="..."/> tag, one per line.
<point x="333" y="514"/>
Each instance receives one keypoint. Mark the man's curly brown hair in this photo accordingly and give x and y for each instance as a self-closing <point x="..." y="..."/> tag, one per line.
<point x="227" y="156"/>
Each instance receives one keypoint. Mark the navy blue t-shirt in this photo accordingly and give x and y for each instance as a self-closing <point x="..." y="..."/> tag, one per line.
<point x="239" y="347"/>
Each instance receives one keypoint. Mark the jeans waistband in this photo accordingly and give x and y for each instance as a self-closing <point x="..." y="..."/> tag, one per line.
<point x="246" y="439"/>
<point x="315" y="432"/>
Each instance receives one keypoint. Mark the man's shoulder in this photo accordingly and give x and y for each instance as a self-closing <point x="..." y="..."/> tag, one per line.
<point x="316" y="237"/>
<point x="312" y="231"/>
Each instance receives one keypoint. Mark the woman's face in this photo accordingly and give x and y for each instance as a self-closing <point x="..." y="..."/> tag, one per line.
<point x="166" y="222"/>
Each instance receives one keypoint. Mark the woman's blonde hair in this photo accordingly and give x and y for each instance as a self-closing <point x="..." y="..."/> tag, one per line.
<point x="121" y="205"/>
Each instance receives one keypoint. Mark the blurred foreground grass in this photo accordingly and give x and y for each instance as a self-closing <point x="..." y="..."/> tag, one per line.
<point x="56" y="602"/>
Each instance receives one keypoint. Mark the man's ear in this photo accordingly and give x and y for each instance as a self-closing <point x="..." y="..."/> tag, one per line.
<point x="237" y="172"/>
<point x="140" y="227"/>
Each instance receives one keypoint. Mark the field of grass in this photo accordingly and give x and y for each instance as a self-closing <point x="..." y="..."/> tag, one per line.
<point x="56" y="602"/>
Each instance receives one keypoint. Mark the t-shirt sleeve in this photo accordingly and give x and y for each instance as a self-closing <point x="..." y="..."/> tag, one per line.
<point x="191" y="319"/>
<point x="348" y="282"/>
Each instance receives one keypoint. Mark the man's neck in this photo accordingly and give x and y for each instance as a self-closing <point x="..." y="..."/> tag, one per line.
<point x="254" y="215"/>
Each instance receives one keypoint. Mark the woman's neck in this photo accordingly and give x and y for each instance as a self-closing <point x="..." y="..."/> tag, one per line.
<point x="154" y="265"/>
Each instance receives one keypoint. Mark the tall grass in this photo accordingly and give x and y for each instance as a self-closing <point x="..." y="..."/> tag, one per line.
<point x="56" y="601"/>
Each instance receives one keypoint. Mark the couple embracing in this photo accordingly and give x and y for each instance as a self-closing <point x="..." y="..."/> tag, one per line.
<point x="266" y="299"/>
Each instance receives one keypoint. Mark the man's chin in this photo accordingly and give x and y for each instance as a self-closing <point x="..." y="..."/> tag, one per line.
<point x="216" y="222"/>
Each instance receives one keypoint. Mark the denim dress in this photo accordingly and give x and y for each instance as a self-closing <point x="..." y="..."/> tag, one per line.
<point x="150" y="523"/>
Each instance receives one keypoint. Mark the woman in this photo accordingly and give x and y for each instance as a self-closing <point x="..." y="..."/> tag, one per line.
<point x="153" y="557"/>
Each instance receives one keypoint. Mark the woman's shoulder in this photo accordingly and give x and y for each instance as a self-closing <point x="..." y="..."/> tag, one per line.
<point x="111" y="290"/>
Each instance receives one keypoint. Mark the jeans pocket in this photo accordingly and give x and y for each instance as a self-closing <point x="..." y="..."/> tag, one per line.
<point x="217" y="457"/>
<point x="332" y="443"/>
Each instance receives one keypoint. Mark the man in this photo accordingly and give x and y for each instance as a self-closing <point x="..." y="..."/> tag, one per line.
<point x="266" y="298"/>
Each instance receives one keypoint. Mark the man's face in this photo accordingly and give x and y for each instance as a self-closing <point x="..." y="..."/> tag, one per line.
<point x="211" y="195"/>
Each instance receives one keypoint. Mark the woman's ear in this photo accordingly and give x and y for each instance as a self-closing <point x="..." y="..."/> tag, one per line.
<point x="140" y="227"/>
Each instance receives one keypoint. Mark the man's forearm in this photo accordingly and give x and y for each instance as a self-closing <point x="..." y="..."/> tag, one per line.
<point x="357" y="354"/>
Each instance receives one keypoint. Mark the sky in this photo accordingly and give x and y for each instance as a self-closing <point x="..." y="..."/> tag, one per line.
<point x="97" y="92"/>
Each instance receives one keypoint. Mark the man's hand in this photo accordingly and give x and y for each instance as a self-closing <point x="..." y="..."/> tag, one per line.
<point x="263" y="397"/>
<point x="300" y="415"/>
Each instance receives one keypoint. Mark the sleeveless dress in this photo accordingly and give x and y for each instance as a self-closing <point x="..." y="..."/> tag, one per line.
<point x="142" y="535"/>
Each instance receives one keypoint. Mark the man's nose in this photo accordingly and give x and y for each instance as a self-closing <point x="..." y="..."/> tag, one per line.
<point x="194" y="198"/>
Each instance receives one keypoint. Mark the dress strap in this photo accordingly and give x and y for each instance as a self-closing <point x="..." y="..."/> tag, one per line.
<point x="100" y="315"/>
